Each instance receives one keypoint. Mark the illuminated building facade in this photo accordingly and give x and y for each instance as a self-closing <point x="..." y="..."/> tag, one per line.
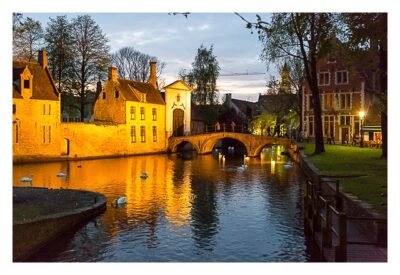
<point x="130" y="117"/>
<point x="345" y="91"/>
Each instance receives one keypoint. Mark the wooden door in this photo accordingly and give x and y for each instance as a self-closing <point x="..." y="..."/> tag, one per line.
<point x="178" y="122"/>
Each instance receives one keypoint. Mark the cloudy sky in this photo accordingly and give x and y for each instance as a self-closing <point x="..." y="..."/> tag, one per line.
<point x="175" y="39"/>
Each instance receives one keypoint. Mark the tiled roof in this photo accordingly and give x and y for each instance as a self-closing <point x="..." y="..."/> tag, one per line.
<point x="152" y="94"/>
<point x="43" y="87"/>
<point x="243" y="105"/>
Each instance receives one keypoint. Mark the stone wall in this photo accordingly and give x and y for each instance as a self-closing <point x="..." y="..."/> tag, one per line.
<point x="99" y="139"/>
<point x="36" y="128"/>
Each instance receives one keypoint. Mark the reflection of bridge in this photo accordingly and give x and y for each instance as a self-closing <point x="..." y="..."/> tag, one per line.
<point x="204" y="143"/>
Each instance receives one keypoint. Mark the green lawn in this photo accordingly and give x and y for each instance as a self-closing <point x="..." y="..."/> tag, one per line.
<point x="362" y="171"/>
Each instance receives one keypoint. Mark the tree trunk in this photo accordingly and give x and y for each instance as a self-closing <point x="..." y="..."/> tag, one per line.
<point x="383" y="93"/>
<point x="319" y="138"/>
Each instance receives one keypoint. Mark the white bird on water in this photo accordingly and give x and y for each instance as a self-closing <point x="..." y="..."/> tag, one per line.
<point x="61" y="175"/>
<point x="144" y="175"/>
<point x="26" y="179"/>
<point x="119" y="202"/>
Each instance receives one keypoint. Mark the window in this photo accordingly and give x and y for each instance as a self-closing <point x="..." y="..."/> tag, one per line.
<point x="329" y="101"/>
<point x="323" y="79"/>
<point x="49" y="109"/>
<point x="116" y="94"/>
<point x="311" y="126"/>
<point x="345" y="101"/>
<point x="104" y="95"/>
<point x="154" y="134"/>
<point x="142" y="134"/>
<point x="178" y="98"/>
<point x="14" y="109"/>
<point x="16" y="133"/>
<point x="310" y="102"/>
<point x="44" y="134"/>
<point x="133" y="112"/>
<point x="341" y="77"/>
<point x="44" y="109"/>
<point x="142" y="113"/>
<point x="329" y="126"/>
<point x="133" y="134"/>
<point x="49" y="134"/>
<point x="154" y="111"/>
<point x="345" y="120"/>
<point x="26" y="84"/>
<point x="356" y="125"/>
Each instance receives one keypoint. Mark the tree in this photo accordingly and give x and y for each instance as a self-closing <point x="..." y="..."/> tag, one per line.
<point x="27" y="37"/>
<point x="366" y="35"/>
<point x="59" y="48"/>
<point x="304" y="36"/>
<point x="134" y="65"/>
<point x="90" y="58"/>
<point x="203" y="76"/>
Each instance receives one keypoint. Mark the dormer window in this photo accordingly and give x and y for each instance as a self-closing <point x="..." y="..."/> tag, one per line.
<point x="342" y="77"/>
<point x="323" y="79"/>
<point x="178" y="98"/>
<point x="26" y="84"/>
<point x="116" y="94"/>
<point x="104" y="95"/>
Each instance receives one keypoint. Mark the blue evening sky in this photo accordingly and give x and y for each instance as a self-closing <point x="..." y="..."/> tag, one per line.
<point x="175" y="40"/>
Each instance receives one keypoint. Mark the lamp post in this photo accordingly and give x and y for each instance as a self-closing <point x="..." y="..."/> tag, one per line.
<point x="362" y="115"/>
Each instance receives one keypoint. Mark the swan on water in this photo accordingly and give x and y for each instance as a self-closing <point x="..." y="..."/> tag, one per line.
<point x="61" y="175"/>
<point x="144" y="175"/>
<point x="288" y="165"/>
<point x="119" y="202"/>
<point x="26" y="179"/>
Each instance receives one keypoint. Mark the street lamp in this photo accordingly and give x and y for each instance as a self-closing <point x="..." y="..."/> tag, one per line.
<point x="362" y="115"/>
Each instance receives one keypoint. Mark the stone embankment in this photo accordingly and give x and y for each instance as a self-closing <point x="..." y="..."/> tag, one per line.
<point x="40" y="215"/>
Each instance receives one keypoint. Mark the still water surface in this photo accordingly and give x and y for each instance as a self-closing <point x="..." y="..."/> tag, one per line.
<point x="192" y="210"/>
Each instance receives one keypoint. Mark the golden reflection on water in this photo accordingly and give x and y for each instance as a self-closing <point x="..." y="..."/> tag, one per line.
<point x="117" y="177"/>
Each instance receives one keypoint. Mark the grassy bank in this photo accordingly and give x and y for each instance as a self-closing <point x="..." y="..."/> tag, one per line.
<point x="361" y="171"/>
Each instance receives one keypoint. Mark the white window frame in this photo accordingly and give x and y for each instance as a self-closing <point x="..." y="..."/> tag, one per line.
<point x="347" y="105"/>
<point x="329" y="78"/>
<point x="347" y="77"/>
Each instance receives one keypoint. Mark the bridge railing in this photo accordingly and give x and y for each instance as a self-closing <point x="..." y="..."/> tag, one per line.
<point x="220" y="128"/>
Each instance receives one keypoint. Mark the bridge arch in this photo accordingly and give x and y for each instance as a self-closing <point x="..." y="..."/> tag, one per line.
<point x="209" y="144"/>
<point x="173" y="147"/>
<point x="261" y="146"/>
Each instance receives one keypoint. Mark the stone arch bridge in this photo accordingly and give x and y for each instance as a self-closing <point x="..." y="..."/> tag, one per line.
<point x="204" y="143"/>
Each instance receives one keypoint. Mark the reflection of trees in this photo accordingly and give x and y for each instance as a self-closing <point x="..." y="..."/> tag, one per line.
<point x="204" y="213"/>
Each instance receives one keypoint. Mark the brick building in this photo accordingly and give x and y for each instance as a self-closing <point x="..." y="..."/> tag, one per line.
<point x="345" y="91"/>
<point x="36" y="109"/>
<point x="130" y="117"/>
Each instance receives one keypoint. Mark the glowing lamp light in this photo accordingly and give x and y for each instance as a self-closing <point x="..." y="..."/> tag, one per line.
<point x="362" y="114"/>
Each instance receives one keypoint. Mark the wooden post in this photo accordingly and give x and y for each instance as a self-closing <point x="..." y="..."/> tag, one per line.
<point x="206" y="128"/>
<point x="327" y="233"/>
<point x="316" y="213"/>
<point x="223" y="126"/>
<point x="341" y="250"/>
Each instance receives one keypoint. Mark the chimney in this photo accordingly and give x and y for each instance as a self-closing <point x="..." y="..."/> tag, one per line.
<point x="112" y="73"/>
<point x="153" y="76"/>
<point x="228" y="99"/>
<point x="42" y="58"/>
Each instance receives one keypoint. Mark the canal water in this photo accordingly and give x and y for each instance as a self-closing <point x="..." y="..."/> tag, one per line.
<point x="189" y="209"/>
